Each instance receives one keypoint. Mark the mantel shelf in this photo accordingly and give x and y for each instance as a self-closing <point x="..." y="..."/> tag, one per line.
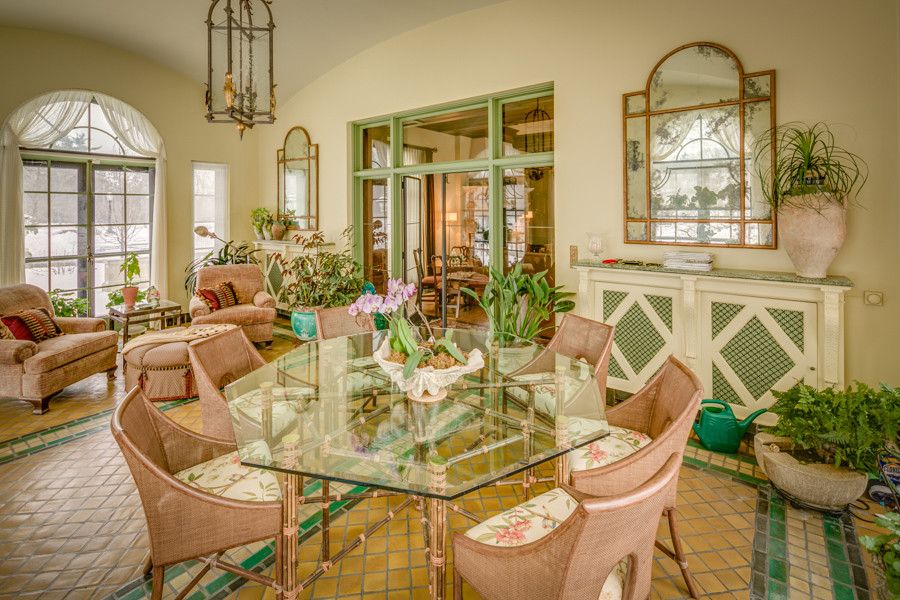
<point x="773" y="276"/>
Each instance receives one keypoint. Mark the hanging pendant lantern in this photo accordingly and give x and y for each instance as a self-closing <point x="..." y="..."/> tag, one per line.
<point x="240" y="88"/>
<point x="537" y="138"/>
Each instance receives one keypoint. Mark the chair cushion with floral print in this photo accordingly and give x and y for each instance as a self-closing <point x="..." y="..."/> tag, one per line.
<point x="545" y="390"/>
<point x="225" y="476"/>
<point x="619" y="444"/>
<point x="533" y="519"/>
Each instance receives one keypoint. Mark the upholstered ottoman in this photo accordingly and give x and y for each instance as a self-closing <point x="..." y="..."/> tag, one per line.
<point x="159" y="364"/>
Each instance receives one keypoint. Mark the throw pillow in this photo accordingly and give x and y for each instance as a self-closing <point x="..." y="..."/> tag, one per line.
<point x="5" y="333"/>
<point x="221" y="296"/>
<point x="33" y="324"/>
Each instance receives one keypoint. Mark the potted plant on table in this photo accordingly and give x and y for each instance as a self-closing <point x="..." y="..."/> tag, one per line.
<point x="424" y="369"/>
<point x="262" y="220"/>
<point x="318" y="278"/>
<point x="809" y="184"/>
<point x="826" y="442"/>
<point x="131" y="269"/>
<point x="885" y="549"/>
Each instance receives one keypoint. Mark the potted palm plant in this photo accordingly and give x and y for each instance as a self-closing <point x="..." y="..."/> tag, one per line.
<point x="809" y="184"/>
<point x="318" y="278"/>
<point x="231" y="253"/>
<point x="131" y="269"/>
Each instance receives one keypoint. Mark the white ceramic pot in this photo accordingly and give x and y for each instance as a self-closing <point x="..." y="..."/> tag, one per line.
<point x="812" y="230"/>
<point x="426" y="384"/>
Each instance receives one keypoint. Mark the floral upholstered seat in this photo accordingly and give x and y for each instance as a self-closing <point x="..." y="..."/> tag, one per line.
<point x="545" y="390"/>
<point x="619" y="444"/>
<point x="532" y="520"/>
<point x="225" y="476"/>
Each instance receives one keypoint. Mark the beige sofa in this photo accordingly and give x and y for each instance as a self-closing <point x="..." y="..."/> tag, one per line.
<point x="36" y="371"/>
<point x="255" y="311"/>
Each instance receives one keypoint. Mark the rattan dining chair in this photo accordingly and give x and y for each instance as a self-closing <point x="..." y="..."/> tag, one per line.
<point x="567" y="545"/>
<point x="217" y="361"/>
<point x="184" y="520"/>
<point x="428" y="285"/>
<point x="338" y="322"/>
<point x="645" y="431"/>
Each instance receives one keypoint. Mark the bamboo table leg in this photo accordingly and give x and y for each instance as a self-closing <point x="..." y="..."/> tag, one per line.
<point x="562" y="427"/>
<point x="437" y="564"/>
<point x="289" y="562"/>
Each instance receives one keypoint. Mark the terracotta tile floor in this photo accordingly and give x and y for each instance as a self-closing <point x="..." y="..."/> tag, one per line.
<point x="71" y="525"/>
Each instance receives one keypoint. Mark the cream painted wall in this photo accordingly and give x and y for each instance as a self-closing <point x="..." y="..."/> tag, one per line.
<point x="38" y="62"/>
<point x="594" y="51"/>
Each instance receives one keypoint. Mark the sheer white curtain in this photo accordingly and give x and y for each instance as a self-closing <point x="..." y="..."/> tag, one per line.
<point x="41" y="122"/>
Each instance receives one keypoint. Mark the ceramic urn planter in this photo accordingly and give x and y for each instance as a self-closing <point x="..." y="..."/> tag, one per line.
<point x="817" y="485"/>
<point x="812" y="230"/>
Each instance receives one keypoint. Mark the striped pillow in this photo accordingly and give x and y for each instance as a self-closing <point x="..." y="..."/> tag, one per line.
<point x="221" y="296"/>
<point x="34" y="324"/>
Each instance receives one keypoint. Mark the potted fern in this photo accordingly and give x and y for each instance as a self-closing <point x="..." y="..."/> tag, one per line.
<point x="809" y="185"/>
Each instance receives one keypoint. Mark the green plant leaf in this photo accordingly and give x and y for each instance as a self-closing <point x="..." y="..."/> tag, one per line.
<point x="412" y="362"/>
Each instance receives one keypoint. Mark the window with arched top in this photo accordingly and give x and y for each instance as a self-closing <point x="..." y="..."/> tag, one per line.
<point x="93" y="134"/>
<point x="689" y="140"/>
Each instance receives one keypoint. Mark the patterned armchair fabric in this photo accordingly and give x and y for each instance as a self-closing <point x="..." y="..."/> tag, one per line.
<point x="36" y="371"/>
<point x="255" y="311"/>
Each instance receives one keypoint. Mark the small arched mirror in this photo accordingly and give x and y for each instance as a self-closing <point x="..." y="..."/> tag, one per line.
<point x="298" y="180"/>
<point x="689" y="151"/>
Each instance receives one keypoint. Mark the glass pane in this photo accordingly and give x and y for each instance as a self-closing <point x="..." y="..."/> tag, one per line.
<point x="37" y="242"/>
<point x="295" y="183"/>
<point x="635" y="104"/>
<point x="529" y="220"/>
<point x="137" y="237"/>
<point x="458" y="135"/>
<point x="109" y="180"/>
<point x="34" y="207"/>
<point x="695" y="164"/>
<point x="68" y="241"/>
<point x="466" y="210"/>
<point x="758" y="234"/>
<point x="376" y="147"/>
<point x="34" y="176"/>
<point x="75" y="141"/>
<point x="637" y="232"/>
<point x="109" y="208"/>
<point x="704" y="233"/>
<point x="528" y="126"/>
<point x="64" y="275"/>
<point x="757" y="158"/>
<point x="66" y="177"/>
<point x="758" y="87"/>
<point x="636" y="166"/>
<point x="106" y="271"/>
<point x="101" y="299"/>
<point x="68" y="209"/>
<point x="109" y="239"/>
<point x="139" y="209"/>
<point x="137" y="182"/>
<point x="104" y="143"/>
<point x="694" y="76"/>
<point x="38" y="273"/>
<point x="413" y="204"/>
<point x="204" y="181"/>
<point x="144" y="262"/>
<point x="376" y="226"/>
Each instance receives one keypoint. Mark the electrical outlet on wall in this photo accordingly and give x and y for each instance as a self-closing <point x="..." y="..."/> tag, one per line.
<point x="873" y="298"/>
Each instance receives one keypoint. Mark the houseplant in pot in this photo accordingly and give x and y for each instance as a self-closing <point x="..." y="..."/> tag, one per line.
<point x="231" y="253"/>
<point x="423" y="368"/>
<point x="131" y="269"/>
<point x="810" y="184"/>
<point x="281" y="224"/>
<point x="885" y="549"/>
<point x="262" y="220"/>
<point x="318" y="278"/>
<point x="826" y="442"/>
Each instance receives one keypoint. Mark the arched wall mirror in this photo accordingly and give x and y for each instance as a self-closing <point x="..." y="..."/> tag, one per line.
<point x="689" y="140"/>
<point x="298" y="179"/>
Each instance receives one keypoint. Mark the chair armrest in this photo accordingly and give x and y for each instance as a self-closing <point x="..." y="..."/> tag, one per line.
<point x="13" y="352"/>
<point x="80" y="324"/>
<point x="198" y="307"/>
<point x="263" y="300"/>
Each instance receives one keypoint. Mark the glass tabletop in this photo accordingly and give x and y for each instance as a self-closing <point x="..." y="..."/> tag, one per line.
<point x="327" y="410"/>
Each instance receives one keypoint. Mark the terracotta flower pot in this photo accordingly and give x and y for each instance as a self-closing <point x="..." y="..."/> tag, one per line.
<point x="129" y="296"/>
<point x="812" y="230"/>
<point x="278" y="231"/>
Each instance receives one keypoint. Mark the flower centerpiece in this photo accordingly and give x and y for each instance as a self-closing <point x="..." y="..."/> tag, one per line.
<point x="424" y="369"/>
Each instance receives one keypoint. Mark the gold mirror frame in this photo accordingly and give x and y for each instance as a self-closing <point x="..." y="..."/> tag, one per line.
<point x="309" y="221"/>
<point x="755" y="228"/>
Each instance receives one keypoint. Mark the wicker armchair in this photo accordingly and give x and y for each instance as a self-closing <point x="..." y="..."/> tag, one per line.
<point x="184" y="520"/>
<point x="255" y="311"/>
<point x="337" y="322"/>
<point x="656" y="421"/>
<point x="580" y="557"/>
<point x="215" y="362"/>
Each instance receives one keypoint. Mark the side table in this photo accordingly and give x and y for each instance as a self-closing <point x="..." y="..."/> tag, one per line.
<point x="168" y="313"/>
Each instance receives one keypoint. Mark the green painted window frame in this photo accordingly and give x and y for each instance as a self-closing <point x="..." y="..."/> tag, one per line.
<point x="494" y="164"/>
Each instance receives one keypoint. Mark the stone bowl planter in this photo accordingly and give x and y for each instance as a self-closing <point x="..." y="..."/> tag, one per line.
<point x="812" y="231"/>
<point x="816" y="485"/>
<point x="426" y="384"/>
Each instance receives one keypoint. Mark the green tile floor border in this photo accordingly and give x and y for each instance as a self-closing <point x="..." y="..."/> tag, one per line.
<point x="845" y="563"/>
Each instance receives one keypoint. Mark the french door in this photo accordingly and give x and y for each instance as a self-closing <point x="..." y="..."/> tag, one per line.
<point x="81" y="218"/>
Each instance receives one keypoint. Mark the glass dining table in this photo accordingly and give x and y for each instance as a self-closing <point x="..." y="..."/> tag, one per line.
<point x="327" y="411"/>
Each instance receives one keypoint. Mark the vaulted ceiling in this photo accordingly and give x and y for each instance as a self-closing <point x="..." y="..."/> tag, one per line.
<point x="311" y="36"/>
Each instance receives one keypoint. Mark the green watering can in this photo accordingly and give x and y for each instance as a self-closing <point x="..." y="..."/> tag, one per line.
<point x="718" y="429"/>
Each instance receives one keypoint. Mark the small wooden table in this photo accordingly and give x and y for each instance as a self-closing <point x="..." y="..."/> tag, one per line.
<point x="167" y="312"/>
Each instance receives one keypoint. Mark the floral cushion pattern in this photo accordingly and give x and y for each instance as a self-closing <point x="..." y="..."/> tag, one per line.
<point x="225" y="476"/>
<point x="532" y="520"/>
<point x="619" y="444"/>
